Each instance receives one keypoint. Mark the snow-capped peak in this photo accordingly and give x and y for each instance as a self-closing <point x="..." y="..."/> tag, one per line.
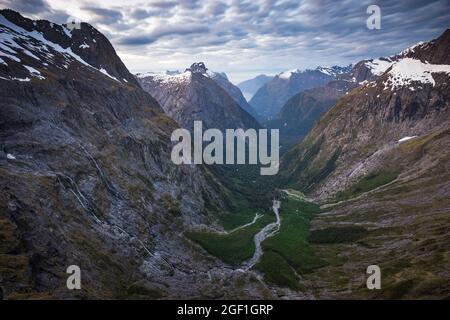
<point x="334" y="70"/>
<point x="167" y="77"/>
<point x="412" y="49"/>
<point x="39" y="50"/>
<point x="378" y="66"/>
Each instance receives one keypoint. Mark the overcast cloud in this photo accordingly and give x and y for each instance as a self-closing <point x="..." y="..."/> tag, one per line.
<point x="246" y="38"/>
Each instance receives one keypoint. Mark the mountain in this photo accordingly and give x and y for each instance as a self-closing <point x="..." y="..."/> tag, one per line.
<point x="269" y="99"/>
<point x="222" y="80"/>
<point x="197" y="95"/>
<point x="249" y="87"/>
<point x="408" y="97"/>
<point x="86" y="177"/>
<point x="300" y="112"/>
<point x="378" y="161"/>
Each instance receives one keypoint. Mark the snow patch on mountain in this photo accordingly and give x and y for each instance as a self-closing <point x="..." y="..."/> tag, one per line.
<point x="34" y="72"/>
<point x="406" y="139"/>
<point x="165" y="78"/>
<point x="408" y="70"/>
<point x="103" y="70"/>
<point x="379" y="66"/>
<point x="15" y="39"/>
<point x="412" y="49"/>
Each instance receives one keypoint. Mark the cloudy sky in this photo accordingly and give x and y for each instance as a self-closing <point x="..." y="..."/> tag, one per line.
<point x="246" y="38"/>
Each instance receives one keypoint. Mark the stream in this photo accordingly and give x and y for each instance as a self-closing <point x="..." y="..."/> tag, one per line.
<point x="268" y="231"/>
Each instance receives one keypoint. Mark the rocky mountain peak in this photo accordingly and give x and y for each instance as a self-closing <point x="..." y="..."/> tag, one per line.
<point x="42" y="44"/>
<point x="197" y="67"/>
<point x="435" y="51"/>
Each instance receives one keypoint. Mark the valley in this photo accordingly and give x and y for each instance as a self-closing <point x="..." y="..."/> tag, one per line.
<point x="88" y="176"/>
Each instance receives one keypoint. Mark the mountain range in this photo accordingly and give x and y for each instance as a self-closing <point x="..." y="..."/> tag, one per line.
<point x="87" y="177"/>
<point x="199" y="94"/>
<point x="300" y="112"/>
<point x="269" y="99"/>
<point x="378" y="162"/>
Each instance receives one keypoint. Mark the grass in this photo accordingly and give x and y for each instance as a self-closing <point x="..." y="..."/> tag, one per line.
<point x="288" y="252"/>
<point x="233" y="248"/>
<point x="367" y="183"/>
<point x="278" y="271"/>
<point x="337" y="234"/>
<point x="231" y="221"/>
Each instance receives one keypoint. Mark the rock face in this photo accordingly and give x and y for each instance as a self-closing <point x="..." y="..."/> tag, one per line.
<point x="251" y="86"/>
<point x="86" y="176"/>
<point x="222" y="80"/>
<point x="300" y="112"/>
<point x="269" y="99"/>
<point x="379" y="160"/>
<point x="410" y="97"/>
<point x="198" y="94"/>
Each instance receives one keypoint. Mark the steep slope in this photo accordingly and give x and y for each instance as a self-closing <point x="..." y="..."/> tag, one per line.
<point x="222" y="80"/>
<point x="194" y="95"/>
<point x="86" y="177"/>
<point x="300" y="112"/>
<point x="379" y="159"/>
<point x="269" y="99"/>
<point x="249" y="87"/>
<point x="410" y="98"/>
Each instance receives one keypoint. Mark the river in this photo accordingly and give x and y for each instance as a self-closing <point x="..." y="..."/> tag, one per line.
<point x="268" y="231"/>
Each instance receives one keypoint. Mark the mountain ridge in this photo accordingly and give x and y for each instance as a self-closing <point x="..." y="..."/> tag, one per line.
<point x="196" y="95"/>
<point x="269" y="99"/>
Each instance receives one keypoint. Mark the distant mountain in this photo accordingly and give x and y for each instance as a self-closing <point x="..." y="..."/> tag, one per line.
<point x="249" y="87"/>
<point x="409" y="96"/>
<point x="269" y="99"/>
<point x="300" y="112"/>
<point x="198" y="94"/>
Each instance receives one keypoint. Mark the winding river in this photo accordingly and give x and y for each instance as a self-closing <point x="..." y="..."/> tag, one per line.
<point x="266" y="232"/>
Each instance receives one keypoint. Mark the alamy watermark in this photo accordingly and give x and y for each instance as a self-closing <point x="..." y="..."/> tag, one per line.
<point x="374" y="20"/>
<point x="74" y="280"/>
<point x="374" y="280"/>
<point x="240" y="146"/>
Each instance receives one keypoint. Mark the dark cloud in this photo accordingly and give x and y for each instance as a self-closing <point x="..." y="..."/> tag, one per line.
<point x="163" y="4"/>
<point x="246" y="33"/>
<point x="36" y="9"/>
<point x="179" y="30"/>
<point x="216" y="8"/>
<point x="103" y="15"/>
<point x="137" y="40"/>
<point x="139" y="14"/>
<point x="27" y="6"/>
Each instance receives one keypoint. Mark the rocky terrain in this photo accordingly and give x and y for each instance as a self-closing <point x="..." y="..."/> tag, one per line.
<point x="87" y="180"/>
<point x="269" y="99"/>
<point x="379" y="162"/>
<point x="198" y="94"/>
<point x="299" y="113"/>
<point x="222" y="80"/>
<point x="86" y="176"/>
